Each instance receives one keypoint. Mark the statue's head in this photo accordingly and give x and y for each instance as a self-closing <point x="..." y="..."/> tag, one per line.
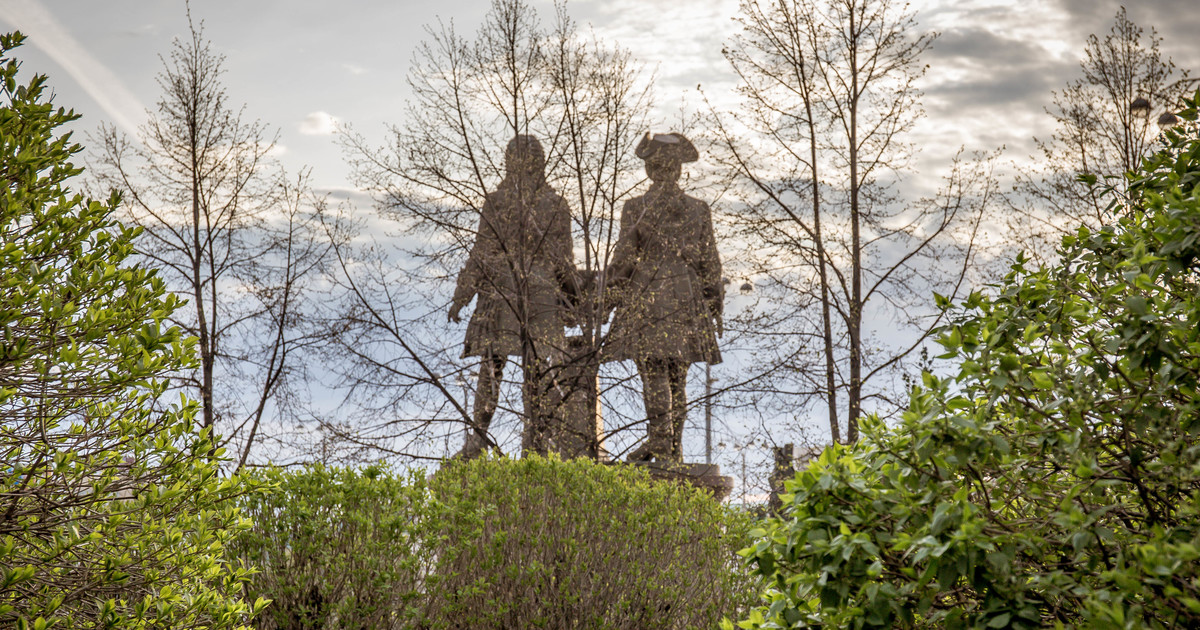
<point x="664" y="154"/>
<point x="524" y="158"/>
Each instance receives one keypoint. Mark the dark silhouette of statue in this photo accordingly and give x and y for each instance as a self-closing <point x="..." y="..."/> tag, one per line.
<point x="665" y="278"/>
<point x="521" y="268"/>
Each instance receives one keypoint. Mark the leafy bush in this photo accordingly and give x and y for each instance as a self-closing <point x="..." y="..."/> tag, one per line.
<point x="338" y="548"/>
<point x="493" y="543"/>
<point x="112" y="513"/>
<point x="1056" y="480"/>
<point x="542" y="543"/>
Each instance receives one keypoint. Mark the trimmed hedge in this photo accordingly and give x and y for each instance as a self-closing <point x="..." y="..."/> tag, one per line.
<point x="493" y="543"/>
<point x="334" y="548"/>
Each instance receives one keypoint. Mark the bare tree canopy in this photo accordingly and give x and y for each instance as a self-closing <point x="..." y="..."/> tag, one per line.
<point x="1108" y="119"/>
<point x="845" y="262"/>
<point x="230" y="232"/>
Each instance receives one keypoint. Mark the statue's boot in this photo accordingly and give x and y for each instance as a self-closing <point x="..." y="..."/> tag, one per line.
<point x="658" y="441"/>
<point x="656" y="395"/>
<point x="543" y="412"/>
<point x="486" y="397"/>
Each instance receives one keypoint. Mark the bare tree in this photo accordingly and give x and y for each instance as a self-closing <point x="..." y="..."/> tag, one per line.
<point x="230" y="232"/>
<point x="586" y="103"/>
<point x="1106" y="122"/>
<point x="819" y="156"/>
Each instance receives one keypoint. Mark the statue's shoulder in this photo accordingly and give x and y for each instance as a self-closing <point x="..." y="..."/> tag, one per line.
<point x="633" y="209"/>
<point x="552" y="196"/>
<point x="635" y="202"/>
<point x="695" y="203"/>
<point x="495" y="197"/>
<point x="697" y="210"/>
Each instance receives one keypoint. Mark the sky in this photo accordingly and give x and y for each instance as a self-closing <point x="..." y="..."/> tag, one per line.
<point x="305" y="66"/>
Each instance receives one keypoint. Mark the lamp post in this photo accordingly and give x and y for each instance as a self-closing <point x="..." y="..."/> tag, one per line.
<point x="740" y="449"/>
<point x="746" y="289"/>
<point x="708" y="383"/>
<point x="1140" y="106"/>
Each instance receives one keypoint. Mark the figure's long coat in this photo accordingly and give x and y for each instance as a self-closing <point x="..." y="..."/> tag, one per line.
<point x="520" y="262"/>
<point x="665" y="280"/>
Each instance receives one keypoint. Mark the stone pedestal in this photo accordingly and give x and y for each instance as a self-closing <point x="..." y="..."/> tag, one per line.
<point x="703" y="476"/>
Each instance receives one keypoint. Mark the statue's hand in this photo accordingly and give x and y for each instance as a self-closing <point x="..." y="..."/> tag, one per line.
<point x="454" y="309"/>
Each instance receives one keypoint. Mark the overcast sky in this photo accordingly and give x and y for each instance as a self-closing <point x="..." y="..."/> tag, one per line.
<point x="300" y="65"/>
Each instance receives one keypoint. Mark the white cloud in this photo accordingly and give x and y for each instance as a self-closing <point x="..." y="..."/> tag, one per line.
<point x="44" y="31"/>
<point x="319" y="124"/>
<point x="354" y="69"/>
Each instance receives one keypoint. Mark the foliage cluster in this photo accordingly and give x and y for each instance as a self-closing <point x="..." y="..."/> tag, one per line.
<point x="1055" y="481"/>
<point x="493" y="543"/>
<point x="112" y="513"/>
<point x="336" y="547"/>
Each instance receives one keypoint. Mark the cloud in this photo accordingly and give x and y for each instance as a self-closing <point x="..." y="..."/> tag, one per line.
<point x="977" y="42"/>
<point x="1175" y="21"/>
<point x="680" y="40"/>
<point x="973" y="67"/>
<point x="319" y="124"/>
<point x="100" y="83"/>
<point x="354" y="197"/>
<point x="354" y="69"/>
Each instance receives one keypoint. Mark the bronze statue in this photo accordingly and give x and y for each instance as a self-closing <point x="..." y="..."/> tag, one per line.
<point x="522" y="268"/>
<point x="665" y="279"/>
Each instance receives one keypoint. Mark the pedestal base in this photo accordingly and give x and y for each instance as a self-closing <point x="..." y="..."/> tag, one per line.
<point x="703" y="476"/>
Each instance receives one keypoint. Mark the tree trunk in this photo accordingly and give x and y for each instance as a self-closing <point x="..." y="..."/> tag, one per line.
<point x="206" y="340"/>
<point x="855" y="324"/>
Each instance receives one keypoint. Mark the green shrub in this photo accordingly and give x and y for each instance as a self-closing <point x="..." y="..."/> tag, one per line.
<point x="493" y="543"/>
<point x="1055" y="482"/>
<point x="337" y="548"/>
<point x="112" y="510"/>
<point x="540" y="543"/>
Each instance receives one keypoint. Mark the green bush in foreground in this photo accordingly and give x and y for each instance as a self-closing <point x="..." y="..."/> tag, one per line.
<point x="494" y="543"/>
<point x="337" y="548"/>
<point x="112" y="514"/>
<point x="1055" y="482"/>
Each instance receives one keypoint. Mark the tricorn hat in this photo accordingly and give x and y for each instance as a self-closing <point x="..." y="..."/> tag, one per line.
<point x="666" y="147"/>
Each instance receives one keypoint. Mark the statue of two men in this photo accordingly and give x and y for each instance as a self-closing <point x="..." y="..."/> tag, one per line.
<point x="664" y="283"/>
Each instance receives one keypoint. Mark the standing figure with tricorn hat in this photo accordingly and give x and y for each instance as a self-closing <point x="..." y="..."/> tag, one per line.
<point x="665" y="286"/>
<point x="522" y="268"/>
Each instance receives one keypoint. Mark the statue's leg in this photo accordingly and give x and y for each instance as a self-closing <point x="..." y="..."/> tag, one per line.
<point x="535" y="391"/>
<point x="677" y="377"/>
<point x="487" y="396"/>
<point x="656" y="395"/>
